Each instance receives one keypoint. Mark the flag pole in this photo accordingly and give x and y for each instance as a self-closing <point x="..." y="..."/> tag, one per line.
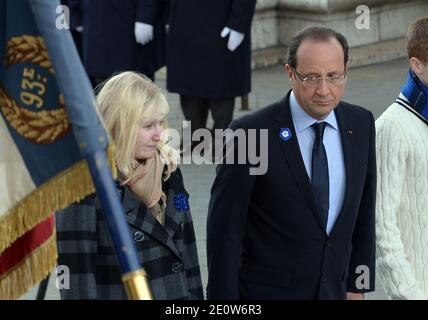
<point x="134" y="278"/>
<point x="92" y="139"/>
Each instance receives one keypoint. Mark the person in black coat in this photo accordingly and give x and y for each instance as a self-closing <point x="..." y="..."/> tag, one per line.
<point x="121" y="35"/>
<point x="209" y="57"/>
<point x="305" y="229"/>
<point x="153" y="196"/>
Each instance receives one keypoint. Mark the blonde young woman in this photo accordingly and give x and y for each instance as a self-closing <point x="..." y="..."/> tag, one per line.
<point x="153" y="197"/>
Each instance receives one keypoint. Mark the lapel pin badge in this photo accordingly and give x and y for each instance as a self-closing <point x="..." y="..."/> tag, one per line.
<point x="350" y="131"/>
<point x="285" y="134"/>
<point x="181" y="202"/>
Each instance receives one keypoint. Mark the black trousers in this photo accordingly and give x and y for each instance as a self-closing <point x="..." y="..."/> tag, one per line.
<point x="195" y="109"/>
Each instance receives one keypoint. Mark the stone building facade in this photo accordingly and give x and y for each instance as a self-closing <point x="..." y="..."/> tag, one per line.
<point x="375" y="29"/>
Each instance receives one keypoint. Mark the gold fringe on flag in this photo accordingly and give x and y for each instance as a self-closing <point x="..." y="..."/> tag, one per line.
<point x="32" y="269"/>
<point x="71" y="185"/>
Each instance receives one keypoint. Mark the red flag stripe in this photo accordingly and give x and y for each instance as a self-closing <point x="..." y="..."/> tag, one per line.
<point x="24" y="245"/>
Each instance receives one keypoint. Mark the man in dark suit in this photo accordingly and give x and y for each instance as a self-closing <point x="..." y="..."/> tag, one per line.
<point x="305" y="228"/>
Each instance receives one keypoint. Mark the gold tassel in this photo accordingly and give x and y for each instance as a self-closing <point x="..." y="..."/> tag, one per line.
<point x="71" y="185"/>
<point x="32" y="269"/>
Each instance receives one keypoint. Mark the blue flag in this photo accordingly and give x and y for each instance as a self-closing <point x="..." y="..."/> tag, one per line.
<point x="48" y="123"/>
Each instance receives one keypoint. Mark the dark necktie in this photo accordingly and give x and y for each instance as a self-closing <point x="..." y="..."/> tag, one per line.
<point x="320" y="183"/>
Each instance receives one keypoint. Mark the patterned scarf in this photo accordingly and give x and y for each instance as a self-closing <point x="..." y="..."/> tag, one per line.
<point x="146" y="183"/>
<point x="416" y="97"/>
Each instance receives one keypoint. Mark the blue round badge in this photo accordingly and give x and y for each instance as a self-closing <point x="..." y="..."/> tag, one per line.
<point x="285" y="134"/>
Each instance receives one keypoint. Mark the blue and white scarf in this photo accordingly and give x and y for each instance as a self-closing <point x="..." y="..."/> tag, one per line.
<point x="414" y="97"/>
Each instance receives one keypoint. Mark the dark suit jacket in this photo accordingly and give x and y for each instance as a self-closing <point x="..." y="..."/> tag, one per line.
<point x="265" y="239"/>
<point x="168" y="253"/>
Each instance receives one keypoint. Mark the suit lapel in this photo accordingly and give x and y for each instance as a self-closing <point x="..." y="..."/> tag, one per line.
<point x="292" y="154"/>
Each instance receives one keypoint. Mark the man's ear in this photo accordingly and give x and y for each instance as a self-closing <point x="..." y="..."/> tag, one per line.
<point x="416" y="65"/>
<point x="289" y="71"/>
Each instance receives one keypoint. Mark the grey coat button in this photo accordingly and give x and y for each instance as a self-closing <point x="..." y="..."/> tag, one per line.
<point x="138" y="236"/>
<point x="177" y="267"/>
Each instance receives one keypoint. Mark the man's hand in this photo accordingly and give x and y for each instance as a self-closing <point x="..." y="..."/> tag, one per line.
<point x="143" y="32"/>
<point x="235" y="38"/>
<point x="354" y="296"/>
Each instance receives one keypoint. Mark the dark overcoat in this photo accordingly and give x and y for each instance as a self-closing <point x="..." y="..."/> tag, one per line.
<point x="108" y="38"/>
<point x="199" y="62"/>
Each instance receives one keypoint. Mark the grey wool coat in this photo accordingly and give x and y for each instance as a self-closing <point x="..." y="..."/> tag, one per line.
<point x="168" y="253"/>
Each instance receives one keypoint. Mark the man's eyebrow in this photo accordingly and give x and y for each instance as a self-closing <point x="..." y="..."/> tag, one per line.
<point x="311" y="74"/>
<point x="319" y="74"/>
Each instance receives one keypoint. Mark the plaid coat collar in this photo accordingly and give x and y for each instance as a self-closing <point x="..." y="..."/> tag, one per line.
<point x="137" y="214"/>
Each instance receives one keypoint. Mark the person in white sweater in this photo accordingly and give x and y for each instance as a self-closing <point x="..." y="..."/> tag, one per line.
<point x="402" y="187"/>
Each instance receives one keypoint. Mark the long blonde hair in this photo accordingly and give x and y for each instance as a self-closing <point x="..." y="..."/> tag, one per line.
<point x="125" y="101"/>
